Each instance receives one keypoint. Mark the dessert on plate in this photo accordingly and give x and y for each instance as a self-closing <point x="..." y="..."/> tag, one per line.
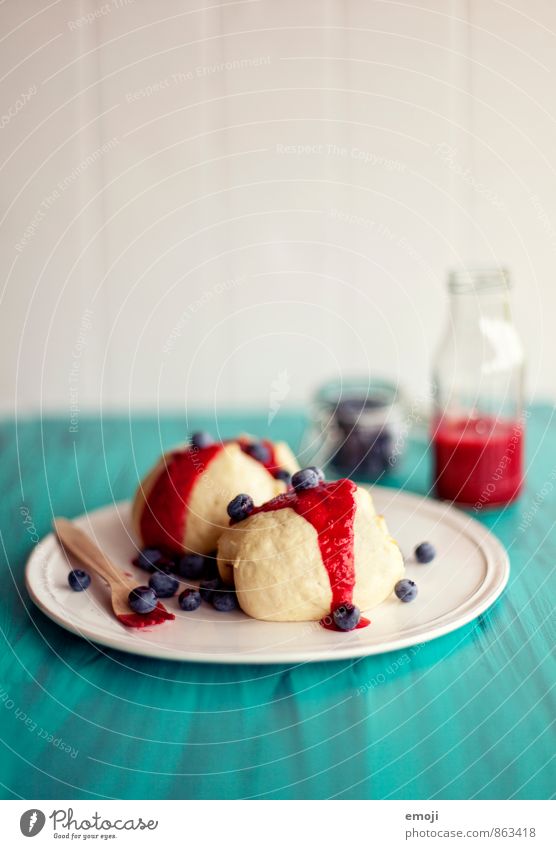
<point x="316" y="552"/>
<point x="180" y="506"/>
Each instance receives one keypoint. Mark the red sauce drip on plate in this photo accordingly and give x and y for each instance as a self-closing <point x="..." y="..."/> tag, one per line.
<point x="143" y="620"/>
<point x="330" y="509"/>
<point x="164" y="514"/>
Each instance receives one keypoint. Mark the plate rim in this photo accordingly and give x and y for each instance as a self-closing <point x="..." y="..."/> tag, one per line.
<point x="496" y="579"/>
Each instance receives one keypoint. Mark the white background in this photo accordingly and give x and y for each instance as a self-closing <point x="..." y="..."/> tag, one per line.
<point x="159" y="245"/>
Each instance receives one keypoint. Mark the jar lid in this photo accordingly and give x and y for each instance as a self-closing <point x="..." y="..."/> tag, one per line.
<point x="478" y="279"/>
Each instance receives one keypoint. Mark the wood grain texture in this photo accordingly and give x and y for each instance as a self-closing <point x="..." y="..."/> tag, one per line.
<point x="469" y="715"/>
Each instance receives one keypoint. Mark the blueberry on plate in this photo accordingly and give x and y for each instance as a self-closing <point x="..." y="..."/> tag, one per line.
<point x="201" y="439"/>
<point x="240" y="507"/>
<point x="425" y="552"/>
<point x="142" y="600"/>
<point x="305" y="479"/>
<point x="189" y="600"/>
<point x="207" y="588"/>
<point x="191" y="566"/>
<point x="406" y="590"/>
<point x="224" y="601"/>
<point x="346" y="617"/>
<point x="165" y="565"/>
<point x="79" y="580"/>
<point x="283" y="475"/>
<point x="148" y="558"/>
<point x="164" y="585"/>
<point x="258" y="451"/>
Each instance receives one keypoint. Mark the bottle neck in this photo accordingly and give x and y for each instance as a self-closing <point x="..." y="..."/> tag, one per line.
<point x="472" y="307"/>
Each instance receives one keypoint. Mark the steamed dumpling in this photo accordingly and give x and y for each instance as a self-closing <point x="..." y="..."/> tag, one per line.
<point x="275" y="562"/>
<point x="180" y="506"/>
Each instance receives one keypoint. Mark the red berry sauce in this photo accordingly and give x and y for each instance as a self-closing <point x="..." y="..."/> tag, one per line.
<point x="164" y="515"/>
<point x="271" y="464"/>
<point x="143" y="620"/>
<point x="330" y="509"/>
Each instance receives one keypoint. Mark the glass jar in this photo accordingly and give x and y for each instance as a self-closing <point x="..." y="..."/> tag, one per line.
<point x="357" y="428"/>
<point x="477" y="428"/>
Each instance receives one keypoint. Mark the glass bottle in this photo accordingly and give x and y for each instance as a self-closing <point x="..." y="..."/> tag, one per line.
<point x="478" y="424"/>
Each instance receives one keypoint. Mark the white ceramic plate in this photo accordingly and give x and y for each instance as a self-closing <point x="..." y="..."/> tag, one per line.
<point x="468" y="574"/>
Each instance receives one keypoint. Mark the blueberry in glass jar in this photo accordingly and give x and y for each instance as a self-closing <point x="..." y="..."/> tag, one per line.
<point x="363" y="425"/>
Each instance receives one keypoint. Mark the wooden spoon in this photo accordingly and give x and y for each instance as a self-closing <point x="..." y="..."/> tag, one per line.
<point x="74" y="540"/>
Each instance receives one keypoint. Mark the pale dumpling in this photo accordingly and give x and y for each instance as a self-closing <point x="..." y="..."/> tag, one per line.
<point x="180" y="506"/>
<point x="274" y="558"/>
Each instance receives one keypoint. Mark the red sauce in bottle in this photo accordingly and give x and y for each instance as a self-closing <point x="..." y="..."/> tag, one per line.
<point x="330" y="509"/>
<point x="478" y="461"/>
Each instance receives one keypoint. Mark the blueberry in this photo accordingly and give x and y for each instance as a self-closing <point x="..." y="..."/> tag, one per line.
<point x="165" y="586"/>
<point x="148" y="558"/>
<point x="425" y="552"/>
<point x="240" y="507"/>
<point x="365" y="451"/>
<point x="165" y="565"/>
<point x="283" y="475"/>
<point x="207" y="588"/>
<point x="319" y="472"/>
<point x="189" y="600"/>
<point x="305" y="479"/>
<point x="79" y="580"/>
<point x="201" y="439"/>
<point x="224" y="601"/>
<point x="406" y="590"/>
<point x="191" y="566"/>
<point x="346" y="617"/>
<point x="258" y="451"/>
<point x="142" y="600"/>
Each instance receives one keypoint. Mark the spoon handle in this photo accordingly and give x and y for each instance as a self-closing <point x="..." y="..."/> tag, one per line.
<point x="85" y="550"/>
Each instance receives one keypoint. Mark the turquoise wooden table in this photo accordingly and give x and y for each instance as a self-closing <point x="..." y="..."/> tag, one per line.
<point x="469" y="715"/>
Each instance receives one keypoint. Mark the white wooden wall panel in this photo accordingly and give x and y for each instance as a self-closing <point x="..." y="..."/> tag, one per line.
<point x="197" y="197"/>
